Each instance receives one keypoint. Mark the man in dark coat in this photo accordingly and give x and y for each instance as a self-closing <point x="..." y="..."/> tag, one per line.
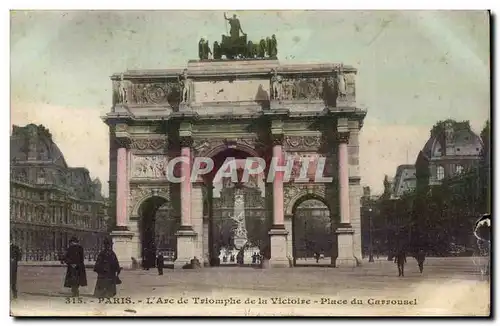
<point x="107" y="268"/>
<point x="15" y="257"/>
<point x="401" y="260"/>
<point x="420" y="257"/>
<point x="75" y="273"/>
<point x="160" y="263"/>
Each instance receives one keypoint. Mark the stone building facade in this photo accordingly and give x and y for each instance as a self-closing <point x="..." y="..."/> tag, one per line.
<point x="49" y="201"/>
<point x="239" y="109"/>
<point x="405" y="180"/>
<point x="452" y="149"/>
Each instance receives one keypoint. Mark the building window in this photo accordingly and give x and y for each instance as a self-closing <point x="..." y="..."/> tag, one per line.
<point x="440" y="173"/>
<point x="41" y="177"/>
<point x="459" y="169"/>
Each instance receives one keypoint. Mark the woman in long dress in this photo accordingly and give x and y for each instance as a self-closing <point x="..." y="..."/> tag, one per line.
<point x="107" y="268"/>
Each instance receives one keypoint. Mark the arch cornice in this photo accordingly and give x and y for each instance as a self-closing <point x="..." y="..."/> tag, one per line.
<point x="293" y="194"/>
<point x="211" y="147"/>
<point x="139" y="194"/>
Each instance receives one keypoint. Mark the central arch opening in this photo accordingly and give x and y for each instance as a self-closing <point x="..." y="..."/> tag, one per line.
<point x="158" y="226"/>
<point x="312" y="232"/>
<point x="238" y="219"/>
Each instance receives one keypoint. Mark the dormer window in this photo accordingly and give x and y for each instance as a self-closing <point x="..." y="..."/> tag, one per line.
<point x="440" y="173"/>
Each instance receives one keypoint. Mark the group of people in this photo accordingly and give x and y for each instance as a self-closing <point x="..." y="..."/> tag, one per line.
<point x="400" y="260"/>
<point x="153" y="260"/>
<point x="106" y="266"/>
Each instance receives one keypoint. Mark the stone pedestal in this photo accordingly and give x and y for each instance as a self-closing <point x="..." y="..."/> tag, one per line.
<point x="186" y="242"/>
<point x="278" y="244"/>
<point x="122" y="246"/>
<point x="345" y="244"/>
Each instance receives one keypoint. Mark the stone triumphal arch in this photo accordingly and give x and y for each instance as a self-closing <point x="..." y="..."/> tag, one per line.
<point x="233" y="108"/>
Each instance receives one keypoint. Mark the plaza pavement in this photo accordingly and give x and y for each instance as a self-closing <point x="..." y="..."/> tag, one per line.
<point x="448" y="286"/>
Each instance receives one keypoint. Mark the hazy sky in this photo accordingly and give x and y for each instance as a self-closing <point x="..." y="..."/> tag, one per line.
<point x="414" y="68"/>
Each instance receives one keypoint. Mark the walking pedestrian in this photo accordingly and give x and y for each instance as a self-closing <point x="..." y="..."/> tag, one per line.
<point x="75" y="272"/>
<point x="15" y="257"/>
<point x="160" y="263"/>
<point x="107" y="268"/>
<point x="400" y="261"/>
<point x="420" y="256"/>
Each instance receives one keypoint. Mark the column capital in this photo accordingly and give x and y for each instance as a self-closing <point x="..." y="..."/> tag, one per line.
<point x="123" y="142"/>
<point x="186" y="141"/>
<point x="342" y="136"/>
<point x="277" y="139"/>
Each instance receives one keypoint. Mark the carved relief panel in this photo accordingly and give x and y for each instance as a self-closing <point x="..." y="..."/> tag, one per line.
<point x="156" y="93"/>
<point x="149" y="166"/>
<point x="151" y="93"/>
<point x="305" y="88"/>
<point x="309" y="161"/>
<point x="302" y="143"/>
<point x="148" y="144"/>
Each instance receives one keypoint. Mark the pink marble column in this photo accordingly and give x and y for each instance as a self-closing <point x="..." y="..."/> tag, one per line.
<point x="278" y="210"/>
<point x="121" y="188"/>
<point x="343" y="138"/>
<point x="186" y="183"/>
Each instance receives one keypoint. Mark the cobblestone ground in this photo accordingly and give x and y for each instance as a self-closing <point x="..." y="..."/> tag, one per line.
<point x="448" y="286"/>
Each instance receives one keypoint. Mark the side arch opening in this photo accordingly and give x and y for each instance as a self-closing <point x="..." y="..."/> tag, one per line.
<point x="157" y="228"/>
<point x="312" y="238"/>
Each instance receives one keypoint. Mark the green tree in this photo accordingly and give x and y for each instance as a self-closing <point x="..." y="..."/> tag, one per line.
<point x="484" y="167"/>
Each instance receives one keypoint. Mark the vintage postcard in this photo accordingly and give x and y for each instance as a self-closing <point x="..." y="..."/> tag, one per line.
<point x="250" y="163"/>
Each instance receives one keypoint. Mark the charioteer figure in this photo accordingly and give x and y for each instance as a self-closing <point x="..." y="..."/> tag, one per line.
<point x="235" y="29"/>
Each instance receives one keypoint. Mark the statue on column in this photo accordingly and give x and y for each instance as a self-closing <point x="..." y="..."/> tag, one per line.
<point x="184" y="81"/>
<point x="122" y="91"/>
<point x="277" y="86"/>
<point x="341" y="85"/>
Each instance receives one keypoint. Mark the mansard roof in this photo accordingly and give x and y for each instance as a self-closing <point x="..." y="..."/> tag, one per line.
<point x="444" y="132"/>
<point x="34" y="143"/>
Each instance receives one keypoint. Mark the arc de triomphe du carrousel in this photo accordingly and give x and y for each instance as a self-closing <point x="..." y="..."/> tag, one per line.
<point x="242" y="104"/>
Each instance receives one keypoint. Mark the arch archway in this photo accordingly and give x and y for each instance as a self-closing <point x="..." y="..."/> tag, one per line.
<point x="157" y="228"/>
<point x="223" y="210"/>
<point x="311" y="231"/>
